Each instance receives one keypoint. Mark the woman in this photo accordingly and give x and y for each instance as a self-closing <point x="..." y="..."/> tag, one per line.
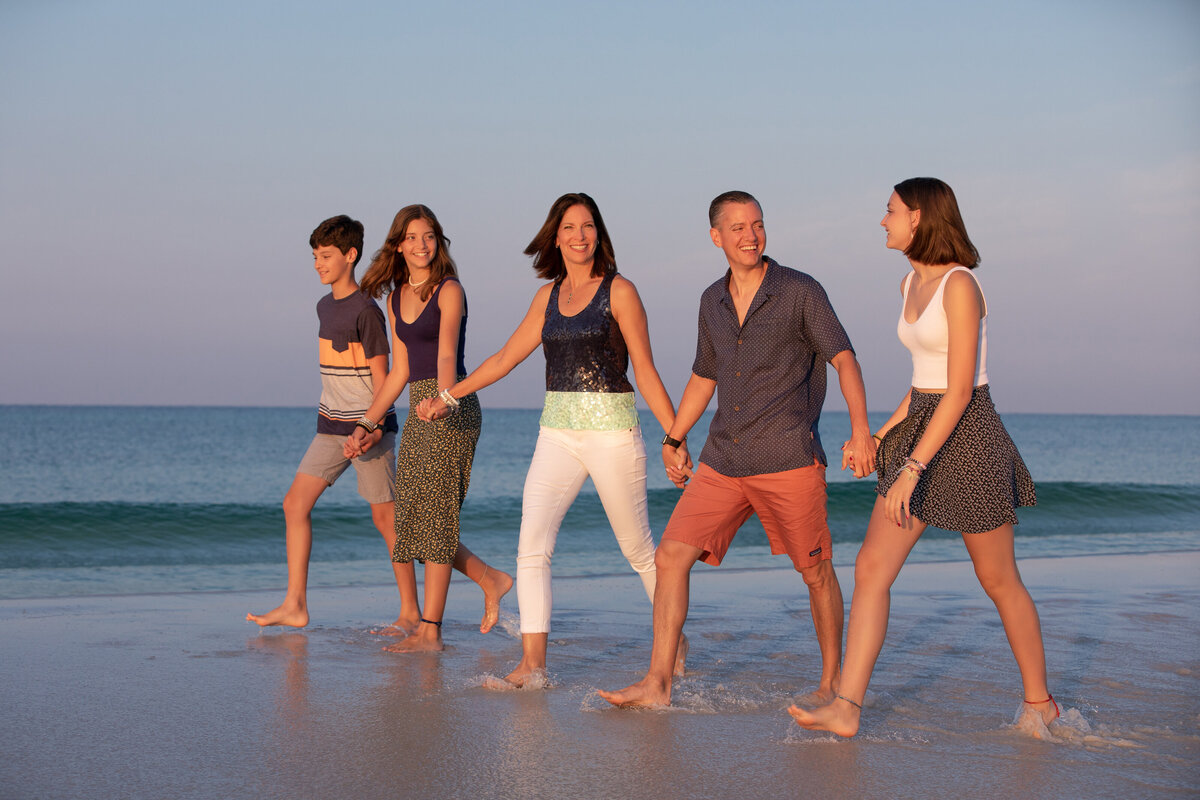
<point x="591" y="324"/>
<point x="427" y="312"/>
<point x="944" y="457"/>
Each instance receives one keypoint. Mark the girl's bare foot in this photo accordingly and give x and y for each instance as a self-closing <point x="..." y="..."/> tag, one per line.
<point x="840" y="717"/>
<point x="1048" y="709"/>
<point x="293" y="615"/>
<point x="495" y="584"/>
<point x="403" y="626"/>
<point x="426" y="639"/>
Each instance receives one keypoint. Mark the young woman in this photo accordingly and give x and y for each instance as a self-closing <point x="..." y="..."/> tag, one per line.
<point x="427" y="311"/>
<point x="591" y="324"/>
<point x="944" y="457"/>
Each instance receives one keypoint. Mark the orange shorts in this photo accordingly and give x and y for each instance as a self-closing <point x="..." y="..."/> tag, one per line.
<point x="790" y="505"/>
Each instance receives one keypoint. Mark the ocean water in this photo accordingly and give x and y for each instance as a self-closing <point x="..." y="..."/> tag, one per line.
<point x="126" y="500"/>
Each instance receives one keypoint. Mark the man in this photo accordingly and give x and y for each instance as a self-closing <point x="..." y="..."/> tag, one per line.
<point x="766" y="333"/>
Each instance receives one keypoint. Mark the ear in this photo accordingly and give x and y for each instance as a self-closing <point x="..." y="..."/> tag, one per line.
<point x="352" y="254"/>
<point x="915" y="217"/>
<point x="716" y="236"/>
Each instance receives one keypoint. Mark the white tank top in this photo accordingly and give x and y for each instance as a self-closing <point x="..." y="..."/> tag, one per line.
<point x="928" y="338"/>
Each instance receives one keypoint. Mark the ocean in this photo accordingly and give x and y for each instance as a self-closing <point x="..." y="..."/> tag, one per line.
<point x="132" y="500"/>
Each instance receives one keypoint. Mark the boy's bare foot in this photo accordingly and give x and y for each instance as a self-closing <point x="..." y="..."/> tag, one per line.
<point x="646" y="692"/>
<point x="840" y="717"/>
<point x="495" y="584"/>
<point x="403" y="626"/>
<point x="294" y="616"/>
<point x="681" y="654"/>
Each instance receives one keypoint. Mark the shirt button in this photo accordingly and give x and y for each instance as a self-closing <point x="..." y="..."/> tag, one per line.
<point x="736" y="441"/>
<point x="739" y="341"/>
<point x="737" y="408"/>
<point x="737" y="374"/>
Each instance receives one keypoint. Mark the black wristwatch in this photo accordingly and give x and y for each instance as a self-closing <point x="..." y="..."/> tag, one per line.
<point x="669" y="442"/>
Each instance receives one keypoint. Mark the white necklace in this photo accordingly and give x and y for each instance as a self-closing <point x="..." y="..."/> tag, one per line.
<point x="417" y="285"/>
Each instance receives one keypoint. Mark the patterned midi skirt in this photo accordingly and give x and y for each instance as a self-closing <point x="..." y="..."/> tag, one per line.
<point x="433" y="471"/>
<point x="976" y="480"/>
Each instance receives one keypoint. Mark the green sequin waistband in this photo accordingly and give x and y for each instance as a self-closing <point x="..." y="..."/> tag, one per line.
<point x="590" y="411"/>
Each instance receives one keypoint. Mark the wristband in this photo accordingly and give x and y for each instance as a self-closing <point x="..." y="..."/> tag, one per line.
<point x="669" y="442"/>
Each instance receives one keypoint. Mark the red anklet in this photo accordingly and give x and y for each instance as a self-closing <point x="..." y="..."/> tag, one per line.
<point x="1049" y="699"/>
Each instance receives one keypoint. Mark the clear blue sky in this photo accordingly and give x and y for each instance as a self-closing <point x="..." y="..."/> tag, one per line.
<point x="162" y="164"/>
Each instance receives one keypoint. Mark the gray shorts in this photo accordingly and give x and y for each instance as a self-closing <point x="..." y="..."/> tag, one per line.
<point x="376" y="467"/>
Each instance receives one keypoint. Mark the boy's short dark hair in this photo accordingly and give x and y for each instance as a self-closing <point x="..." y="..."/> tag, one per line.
<point x="725" y="198"/>
<point x="340" y="232"/>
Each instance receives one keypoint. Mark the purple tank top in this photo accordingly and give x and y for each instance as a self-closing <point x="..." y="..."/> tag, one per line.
<point x="420" y="337"/>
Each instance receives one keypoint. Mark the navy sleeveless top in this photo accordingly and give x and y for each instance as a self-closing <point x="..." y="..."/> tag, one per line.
<point x="420" y="337"/>
<point x="585" y="352"/>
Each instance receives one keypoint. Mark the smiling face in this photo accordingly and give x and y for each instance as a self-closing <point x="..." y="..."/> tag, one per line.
<point x="900" y="222"/>
<point x="419" y="245"/>
<point x="332" y="265"/>
<point x="577" y="236"/>
<point x="741" y="234"/>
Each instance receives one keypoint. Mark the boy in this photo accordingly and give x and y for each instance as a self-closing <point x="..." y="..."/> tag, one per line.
<point x="353" y="360"/>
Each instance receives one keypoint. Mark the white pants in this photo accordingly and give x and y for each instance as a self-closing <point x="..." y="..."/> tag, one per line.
<point x="616" y="462"/>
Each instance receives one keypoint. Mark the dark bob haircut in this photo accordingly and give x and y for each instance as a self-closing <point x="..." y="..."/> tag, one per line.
<point x="941" y="236"/>
<point x="548" y="261"/>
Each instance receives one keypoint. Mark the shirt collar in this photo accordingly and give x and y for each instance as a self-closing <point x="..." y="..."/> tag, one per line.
<point x="768" y="287"/>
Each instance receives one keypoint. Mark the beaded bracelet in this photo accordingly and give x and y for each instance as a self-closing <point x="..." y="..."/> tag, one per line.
<point x="450" y="400"/>
<point x="366" y="424"/>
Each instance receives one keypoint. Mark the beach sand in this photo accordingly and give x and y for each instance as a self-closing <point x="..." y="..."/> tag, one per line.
<point x="174" y="696"/>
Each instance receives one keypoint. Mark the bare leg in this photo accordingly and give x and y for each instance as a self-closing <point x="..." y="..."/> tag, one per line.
<point x="384" y="517"/>
<point x="883" y="552"/>
<point x="996" y="567"/>
<point x="533" y="660"/>
<point x="495" y="584"/>
<point x="297" y="512"/>
<point x="428" y="636"/>
<point x="673" y="561"/>
<point x="828" y="613"/>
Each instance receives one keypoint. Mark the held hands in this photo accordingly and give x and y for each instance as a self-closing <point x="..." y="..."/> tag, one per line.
<point x="678" y="463"/>
<point x="859" y="454"/>
<point x="360" y="442"/>
<point x="431" y="409"/>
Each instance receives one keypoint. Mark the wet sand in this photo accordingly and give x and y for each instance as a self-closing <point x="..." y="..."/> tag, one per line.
<point x="157" y="696"/>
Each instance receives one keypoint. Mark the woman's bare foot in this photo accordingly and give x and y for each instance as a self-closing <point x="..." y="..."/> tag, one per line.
<point x="820" y="696"/>
<point x="403" y="626"/>
<point x="495" y="584"/>
<point x="426" y="639"/>
<point x="681" y="654"/>
<point x="293" y="615"/>
<point x="646" y="692"/>
<point x="840" y="717"/>
<point x="524" y="677"/>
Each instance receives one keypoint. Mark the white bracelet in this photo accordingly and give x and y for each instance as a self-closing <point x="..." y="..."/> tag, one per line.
<point x="450" y="400"/>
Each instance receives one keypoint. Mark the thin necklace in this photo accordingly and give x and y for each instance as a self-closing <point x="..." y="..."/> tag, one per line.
<point x="417" y="285"/>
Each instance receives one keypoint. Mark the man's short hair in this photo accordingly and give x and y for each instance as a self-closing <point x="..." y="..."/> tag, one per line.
<point x="340" y="232"/>
<point x="725" y="198"/>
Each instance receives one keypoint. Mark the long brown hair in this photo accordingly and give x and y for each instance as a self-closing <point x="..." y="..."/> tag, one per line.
<point x="941" y="235"/>
<point x="389" y="270"/>
<point x="548" y="261"/>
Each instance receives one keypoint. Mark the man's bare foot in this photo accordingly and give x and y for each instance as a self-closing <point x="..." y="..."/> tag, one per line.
<point x="294" y="616"/>
<point x="403" y="626"/>
<point x="681" y="654"/>
<point x="646" y="692"/>
<point x="524" y="677"/>
<point x="840" y="717"/>
<point x="495" y="584"/>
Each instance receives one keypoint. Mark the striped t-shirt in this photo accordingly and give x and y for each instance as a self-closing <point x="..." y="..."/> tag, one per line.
<point x="352" y="331"/>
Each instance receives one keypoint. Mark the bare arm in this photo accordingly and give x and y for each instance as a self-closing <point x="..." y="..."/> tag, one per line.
<point x="964" y="309"/>
<point x="630" y="315"/>
<point x="451" y="304"/>
<point x="696" y="397"/>
<point x="387" y="388"/>
<point x="862" y="444"/>
<point x="524" y="340"/>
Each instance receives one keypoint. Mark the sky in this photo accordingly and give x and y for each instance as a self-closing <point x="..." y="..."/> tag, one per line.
<point x="163" y="164"/>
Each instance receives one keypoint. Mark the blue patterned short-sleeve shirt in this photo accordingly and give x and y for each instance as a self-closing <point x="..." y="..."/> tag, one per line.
<point x="769" y="370"/>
